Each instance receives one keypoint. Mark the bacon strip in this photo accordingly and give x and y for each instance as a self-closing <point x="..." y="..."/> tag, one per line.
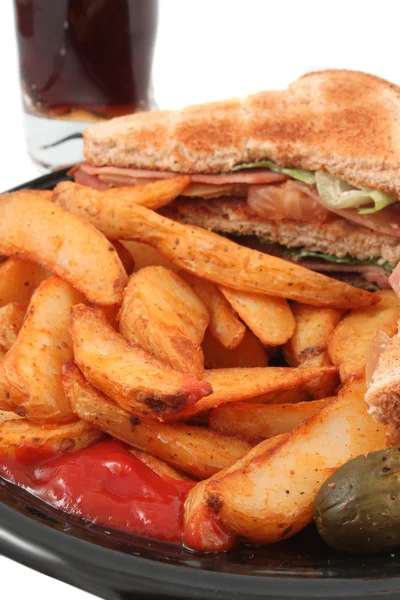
<point x="250" y="176"/>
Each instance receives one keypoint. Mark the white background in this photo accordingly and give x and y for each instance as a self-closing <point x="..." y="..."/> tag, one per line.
<point x="210" y="49"/>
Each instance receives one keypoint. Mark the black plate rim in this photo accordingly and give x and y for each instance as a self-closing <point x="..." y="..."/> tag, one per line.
<point x="111" y="574"/>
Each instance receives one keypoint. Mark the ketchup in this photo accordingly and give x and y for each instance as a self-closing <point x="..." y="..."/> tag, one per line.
<point x="104" y="484"/>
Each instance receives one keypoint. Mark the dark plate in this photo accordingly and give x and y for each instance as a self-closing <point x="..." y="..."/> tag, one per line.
<point x="114" y="565"/>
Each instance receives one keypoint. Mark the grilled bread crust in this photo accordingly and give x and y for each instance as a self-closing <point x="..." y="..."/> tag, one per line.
<point x="344" y="122"/>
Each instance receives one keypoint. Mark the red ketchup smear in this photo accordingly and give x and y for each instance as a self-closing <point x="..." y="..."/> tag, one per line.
<point x="104" y="484"/>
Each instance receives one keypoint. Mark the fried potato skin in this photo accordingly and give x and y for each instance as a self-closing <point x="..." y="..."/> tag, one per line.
<point x="57" y="240"/>
<point x="125" y="257"/>
<point x="161" y="314"/>
<point x="194" y="450"/>
<point x="309" y="345"/>
<point x="203" y="530"/>
<point x="19" y="279"/>
<point x="271" y="497"/>
<point x="220" y="260"/>
<point x="11" y="319"/>
<point x="147" y="256"/>
<point x="7" y="415"/>
<point x="224" y="324"/>
<point x="33" y="364"/>
<point x="158" y="466"/>
<point x="234" y="385"/>
<point x="249" y="353"/>
<point x="349" y="343"/>
<point x="269" y="318"/>
<point x="21" y="433"/>
<point x="151" y="195"/>
<point x="135" y="380"/>
<point x="262" y="420"/>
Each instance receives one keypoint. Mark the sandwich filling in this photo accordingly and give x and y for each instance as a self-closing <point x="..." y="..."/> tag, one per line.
<point x="308" y="217"/>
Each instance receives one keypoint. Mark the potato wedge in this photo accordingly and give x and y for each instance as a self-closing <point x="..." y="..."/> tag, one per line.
<point x="249" y="353"/>
<point x="309" y="345"/>
<point x="38" y="230"/>
<point x="147" y="256"/>
<point x="224" y="324"/>
<point x="6" y="401"/>
<point x="220" y="260"/>
<point x="195" y="450"/>
<point x="262" y="420"/>
<point x="270" y="319"/>
<point x="151" y="195"/>
<point x="109" y="314"/>
<point x="125" y="257"/>
<point x="20" y="433"/>
<point x="11" y="319"/>
<point x="349" y="343"/>
<point x="33" y="364"/>
<point x="203" y="530"/>
<point x="19" y="279"/>
<point x="158" y="466"/>
<point x="271" y="497"/>
<point x="7" y="415"/>
<point x="292" y="395"/>
<point x="233" y="385"/>
<point x="161" y="314"/>
<point x="138" y="382"/>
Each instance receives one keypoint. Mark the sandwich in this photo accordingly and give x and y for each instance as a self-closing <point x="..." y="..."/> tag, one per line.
<point x="310" y="174"/>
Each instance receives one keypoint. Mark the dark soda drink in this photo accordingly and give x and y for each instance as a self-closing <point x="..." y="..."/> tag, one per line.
<point x="85" y="60"/>
<point x="87" y="54"/>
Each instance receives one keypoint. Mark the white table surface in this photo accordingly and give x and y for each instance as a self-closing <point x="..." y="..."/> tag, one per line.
<point x="211" y="49"/>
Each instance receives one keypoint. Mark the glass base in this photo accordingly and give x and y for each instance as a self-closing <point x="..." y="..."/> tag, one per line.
<point x="54" y="143"/>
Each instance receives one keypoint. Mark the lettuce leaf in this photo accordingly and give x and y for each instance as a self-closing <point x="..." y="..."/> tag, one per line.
<point x="380" y="199"/>
<point x="338" y="194"/>
<point x="299" y="174"/>
<point x="299" y="253"/>
<point x="302" y="253"/>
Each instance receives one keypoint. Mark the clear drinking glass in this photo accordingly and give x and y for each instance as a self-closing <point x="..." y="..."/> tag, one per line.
<point x="81" y="61"/>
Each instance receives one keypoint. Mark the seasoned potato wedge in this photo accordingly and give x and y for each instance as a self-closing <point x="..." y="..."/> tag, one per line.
<point x="139" y="383"/>
<point x="233" y="385"/>
<point x="270" y="319"/>
<point x="349" y="343"/>
<point x="11" y="319"/>
<point x="262" y="420"/>
<point x="7" y="415"/>
<point x="19" y="279"/>
<point x="33" y="364"/>
<point x="36" y="229"/>
<point x="158" y="466"/>
<point x="249" y="353"/>
<point x="20" y="433"/>
<point x="220" y="260"/>
<point x="224" y="324"/>
<point x="195" y="450"/>
<point x="270" y="497"/>
<point x="147" y="256"/>
<point x="292" y="395"/>
<point x="6" y="402"/>
<point x="309" y="345"/>
<point x="161" y="314"/>
<point x="152" y="195"/>
<point x="203" y="530"/>
<point x="125" y="257"/>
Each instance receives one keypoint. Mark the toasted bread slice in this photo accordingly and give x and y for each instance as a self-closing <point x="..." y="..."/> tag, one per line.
<point x="344" y="122"/>
<point x="383" y="395"/>
<point x="339" y="237"/>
